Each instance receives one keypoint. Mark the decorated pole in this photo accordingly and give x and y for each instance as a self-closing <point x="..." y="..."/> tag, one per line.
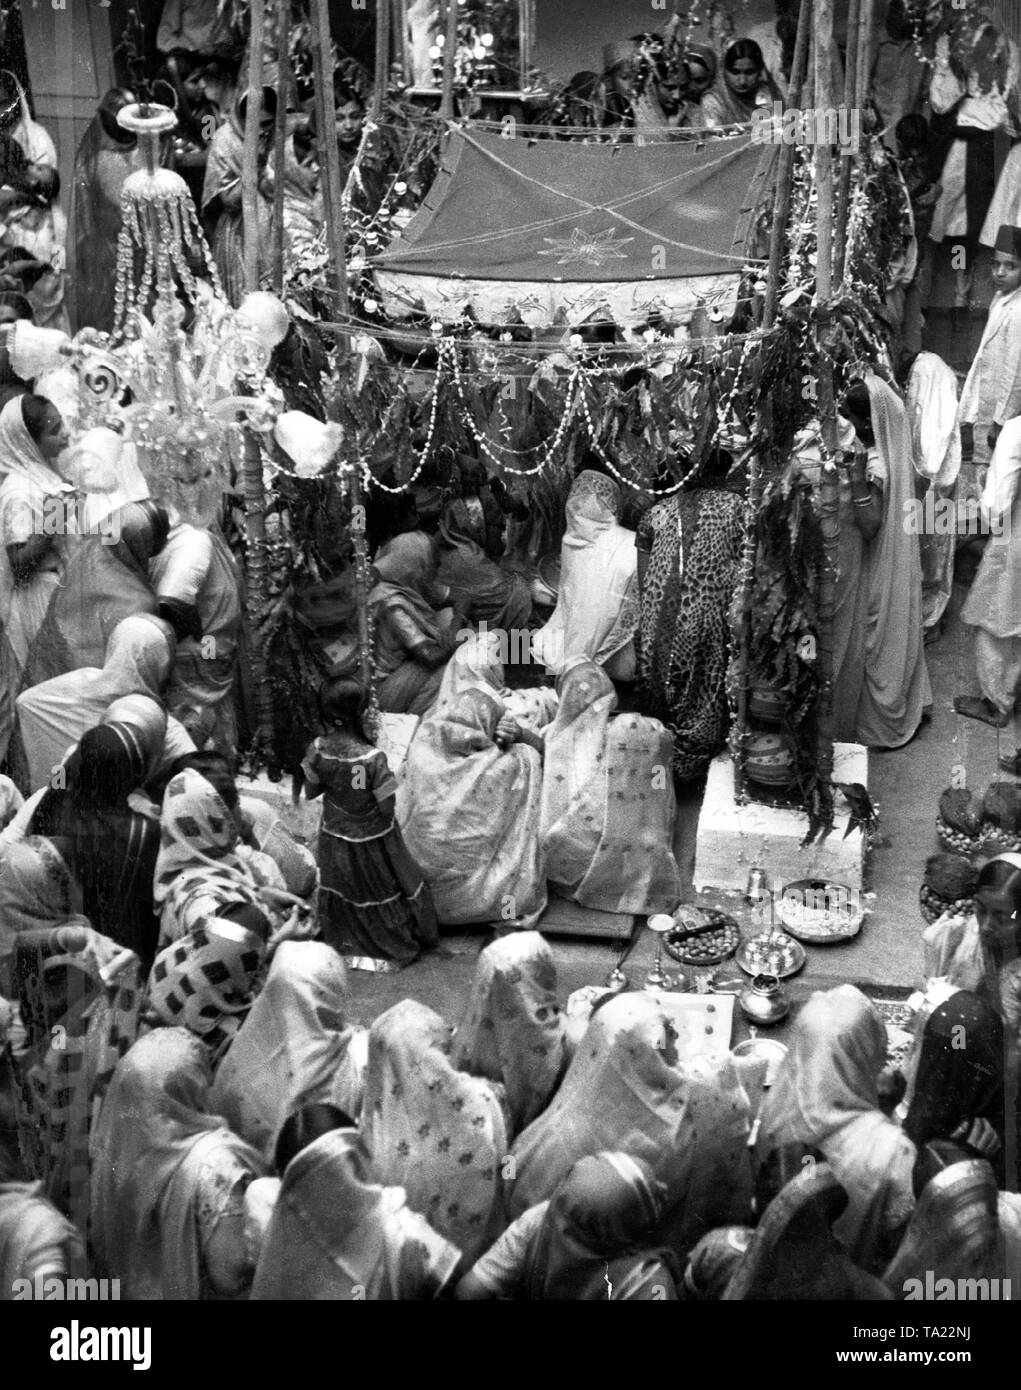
<point x="280" y="143"/>
<point x="330" y="181"/>
<point x="256" y="566"/>
<point x="381" y="79"/>
<point x="335" y="232"/>
<point x="250" y="154"/>
<point x="785" y="172"/>
<point x="829" y="485"/>
<point x="863" y="74"/>
<point x="781" y="212"/>
<point x="449" y="54"/>
<point x="851" y="61"/>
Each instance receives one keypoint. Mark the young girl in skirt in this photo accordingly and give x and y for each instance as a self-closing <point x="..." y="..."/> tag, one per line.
<point x="372" y="899"/>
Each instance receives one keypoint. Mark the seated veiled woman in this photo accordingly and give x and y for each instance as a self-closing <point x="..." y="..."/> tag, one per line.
<point x="197" y="585"/>
<point x="478" y="662"/>
<point x="335" y="1230"/>
<point x="106" y="579"/>
<point x="591" y="1241"/>
<point x="513" y="1029"/>
<point x="294" y="1048"/>
<point x="437" y="1133"/>
<point x="413" y="643"/>
<point x="980" y="951"/>
<point x="468" y="806"/>
<point x="793" y="1253"/>
<point x="608" y="802"/>
<point x="52" y="715"/>
<point x="78" y="994"/>
<point x="957" y="1092"/>
<point x="168" y="1178"/>
<point x="627" y="1088"/>
<point x="207" y="981"/>
<point x="825" y="1100"/>
<point x="36" y="1242"/>
<point x="478" y="586"/>
<point x="113" y="845"/>
<point x="204" y="863"/>
<point x="597" y="605"/>
<point x="962" y="1228"/>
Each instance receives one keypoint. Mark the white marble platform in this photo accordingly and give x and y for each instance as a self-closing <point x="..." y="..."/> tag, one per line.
<point x="732" y="838"/>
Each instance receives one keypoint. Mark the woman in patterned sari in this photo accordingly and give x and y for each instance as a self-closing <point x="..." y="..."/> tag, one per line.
<point x="335" y="1230"/>
<point x="224" y="908"/>
<point x="513" y="1029"/>
<point x="203" y="862"/>
<point x="295" y="1048"/>
<point x="78" y="995"/>
<point x="627" y="1089"/>
<point x="468" y="806"/>
<point x="590" y="1242"/>
<point x="439" y="1134"/>
<point x="169" y="1178"/>
<point x="689" y="556"/>
<point x="608" y="802"/>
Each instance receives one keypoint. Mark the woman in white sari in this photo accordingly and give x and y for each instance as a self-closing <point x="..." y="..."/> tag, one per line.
<point x="54" y="714"/>
<point x="294" y="1047"/>
<point x="468" y="807"/>
<point x="597" y="606"/>
<point x="168" y="1177"/>
<point x="608" y="802"/>
<point x="32" y="515"/>
<point x="932" y="414"/>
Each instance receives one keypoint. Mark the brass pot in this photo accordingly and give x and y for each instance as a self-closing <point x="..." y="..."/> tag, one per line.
<point x="764" y="1002"/>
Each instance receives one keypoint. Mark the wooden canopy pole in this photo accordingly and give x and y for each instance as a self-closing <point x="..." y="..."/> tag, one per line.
<point x="381" y="80"/>
<point x="449" y="50"/>
<point x="851" y="59"/>
<point x="256" y="566"/>
<point x="280" y="143"/>
<point x="829" y="486"/>
<point x="785" y="171"/>
<point x="778" y="228"/>
<point x="864" y="72"/>
<point x="250" y="155"/>
<point x="333" y="198"/>
<point x="332" y="188"/>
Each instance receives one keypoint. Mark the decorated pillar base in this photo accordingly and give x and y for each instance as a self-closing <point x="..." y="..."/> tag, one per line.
<point x="733" y="838"/>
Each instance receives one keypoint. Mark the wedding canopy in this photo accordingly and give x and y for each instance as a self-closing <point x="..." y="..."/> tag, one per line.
<point x="551" y="232"/>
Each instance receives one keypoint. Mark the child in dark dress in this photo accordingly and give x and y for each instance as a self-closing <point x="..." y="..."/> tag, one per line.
<point x="372" y="899"/>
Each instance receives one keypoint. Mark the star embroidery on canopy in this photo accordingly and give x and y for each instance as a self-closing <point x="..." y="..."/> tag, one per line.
<point x="590" y="248"/>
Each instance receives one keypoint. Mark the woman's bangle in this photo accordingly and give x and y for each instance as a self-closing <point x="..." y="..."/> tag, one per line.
<point x="863" y="501"/>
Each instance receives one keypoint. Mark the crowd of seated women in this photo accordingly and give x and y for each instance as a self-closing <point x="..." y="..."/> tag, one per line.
<point x="253" y="1141"/>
